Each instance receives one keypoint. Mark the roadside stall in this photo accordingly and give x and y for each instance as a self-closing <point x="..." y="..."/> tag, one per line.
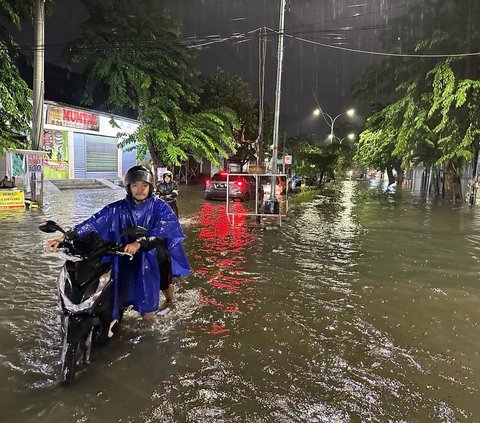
<point x="22" y="185"/>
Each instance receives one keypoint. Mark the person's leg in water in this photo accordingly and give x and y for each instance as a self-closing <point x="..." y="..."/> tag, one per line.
<point x="166" y="284"/>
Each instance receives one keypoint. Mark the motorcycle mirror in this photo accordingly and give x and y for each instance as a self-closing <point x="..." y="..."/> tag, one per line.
<point x="50" y="226"/>
<point x="135" y="232"/>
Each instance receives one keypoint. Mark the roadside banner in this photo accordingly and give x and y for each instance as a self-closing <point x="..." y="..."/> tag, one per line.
<point x="12" y="199"/>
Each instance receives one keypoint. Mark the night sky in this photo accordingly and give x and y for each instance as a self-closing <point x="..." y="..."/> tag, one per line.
<point x="313" y="76"/>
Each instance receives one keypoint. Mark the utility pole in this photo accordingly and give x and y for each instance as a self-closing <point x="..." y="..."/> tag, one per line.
<point x="38" y="90"/>
<point x="262" y="49"/>
<point x="38" y="76"/>
<point x="272" y="206"/>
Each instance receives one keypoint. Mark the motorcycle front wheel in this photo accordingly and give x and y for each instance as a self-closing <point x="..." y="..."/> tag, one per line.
<point x="69" y="362"/>
<point x="74" y="352"/>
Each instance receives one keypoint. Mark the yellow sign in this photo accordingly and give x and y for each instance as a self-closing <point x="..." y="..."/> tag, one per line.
<point x="11" y="199"/>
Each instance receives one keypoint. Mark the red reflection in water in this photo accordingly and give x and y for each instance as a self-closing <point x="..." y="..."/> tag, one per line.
<point x="221" y="258"/>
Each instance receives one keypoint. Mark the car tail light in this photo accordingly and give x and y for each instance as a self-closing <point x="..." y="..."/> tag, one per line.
<point x="208" y="182"/>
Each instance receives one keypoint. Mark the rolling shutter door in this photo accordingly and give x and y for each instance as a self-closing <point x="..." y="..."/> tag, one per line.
<point x="79" y="168"/>
<point x="102" y="157"/>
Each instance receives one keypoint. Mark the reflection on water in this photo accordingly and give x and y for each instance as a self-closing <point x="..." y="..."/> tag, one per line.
<point x="362" y="306"/>
<point x="222" y="250"/>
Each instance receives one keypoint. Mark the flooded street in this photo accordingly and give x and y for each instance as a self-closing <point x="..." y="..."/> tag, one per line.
<point x="362" y="306"/>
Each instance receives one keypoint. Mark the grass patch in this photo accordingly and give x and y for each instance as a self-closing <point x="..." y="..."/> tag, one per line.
<point x="306" y="195"/>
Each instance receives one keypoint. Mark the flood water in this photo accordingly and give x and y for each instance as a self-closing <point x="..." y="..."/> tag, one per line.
<point x="363" y="306"/>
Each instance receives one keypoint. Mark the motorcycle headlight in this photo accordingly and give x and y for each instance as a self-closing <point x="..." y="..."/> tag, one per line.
<point x="104" y="279"/>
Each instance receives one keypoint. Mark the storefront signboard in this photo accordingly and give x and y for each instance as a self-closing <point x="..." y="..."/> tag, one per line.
<point x="79" y="119"/>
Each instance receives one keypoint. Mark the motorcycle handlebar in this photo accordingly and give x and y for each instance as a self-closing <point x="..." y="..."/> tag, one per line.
<point x="68" y="247"/>
<point x="122" y="253"/>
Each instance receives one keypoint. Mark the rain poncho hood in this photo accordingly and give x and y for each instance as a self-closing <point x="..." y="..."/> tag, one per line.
<point x="137" y="282"/>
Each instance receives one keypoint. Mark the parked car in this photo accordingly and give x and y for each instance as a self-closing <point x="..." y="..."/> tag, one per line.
<point x="241" y="187"/>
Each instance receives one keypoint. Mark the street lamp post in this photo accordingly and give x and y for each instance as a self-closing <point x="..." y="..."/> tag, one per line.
<point x="351" y="137"/>
<point x="329" y="120"/>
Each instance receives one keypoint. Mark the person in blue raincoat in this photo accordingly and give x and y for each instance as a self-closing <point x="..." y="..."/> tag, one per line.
<point x="157" y="257"/>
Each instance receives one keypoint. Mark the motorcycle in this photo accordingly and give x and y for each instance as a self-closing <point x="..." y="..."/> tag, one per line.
<point x="85" y="290"/>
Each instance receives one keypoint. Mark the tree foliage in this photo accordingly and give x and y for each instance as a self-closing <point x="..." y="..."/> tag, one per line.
<point x="312" y="159"/>
<point x="19" y="11"/>
<point x="15" y="109"/>
<point x="134" y="51"/>
<point x="222" y="90"/>
<point x="425" y="109"/>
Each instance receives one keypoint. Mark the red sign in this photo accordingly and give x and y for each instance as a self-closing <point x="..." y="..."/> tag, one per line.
<point x="287" y="159"/>
<point x="73" y="118"/>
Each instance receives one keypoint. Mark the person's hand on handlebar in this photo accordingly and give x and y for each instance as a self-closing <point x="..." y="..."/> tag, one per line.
<point x="52" y="244"/>
<point x="132" y="248"/>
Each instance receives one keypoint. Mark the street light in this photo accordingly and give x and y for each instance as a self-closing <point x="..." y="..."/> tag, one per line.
<point x="330" y="121"/>
<point x="350" y="136"/>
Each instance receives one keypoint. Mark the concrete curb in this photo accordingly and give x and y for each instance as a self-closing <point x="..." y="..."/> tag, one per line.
<point x="109" y="184"/>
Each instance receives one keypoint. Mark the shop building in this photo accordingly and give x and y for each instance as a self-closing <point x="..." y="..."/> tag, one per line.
<point x="79" y="144"/>
<point x="83" y="144"/>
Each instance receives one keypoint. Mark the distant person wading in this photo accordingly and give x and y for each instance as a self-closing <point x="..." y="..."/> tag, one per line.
<point x="167" y="190"/>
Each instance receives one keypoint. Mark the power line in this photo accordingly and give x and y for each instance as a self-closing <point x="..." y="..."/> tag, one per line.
<point x="209" y="40"/>
<point x="377" y="53"/>
<point x="192" y="42"/>
<point x="221" y="40"/>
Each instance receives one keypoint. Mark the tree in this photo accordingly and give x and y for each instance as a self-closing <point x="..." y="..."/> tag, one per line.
<point x="222" y="90"/>
<point x="18" y="11"/>
<point x="377" y="143"/>
<point x="312" y="159"/>
<point x="15" y="109"/>
<point x="134" y="51"/>
<point x="429" y="109"/>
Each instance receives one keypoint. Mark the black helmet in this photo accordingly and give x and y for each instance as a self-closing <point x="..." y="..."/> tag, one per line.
<point x="138" y="173"/>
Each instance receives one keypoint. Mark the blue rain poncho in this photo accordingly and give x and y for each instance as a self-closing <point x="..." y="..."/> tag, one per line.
<point x="137" y="281"/>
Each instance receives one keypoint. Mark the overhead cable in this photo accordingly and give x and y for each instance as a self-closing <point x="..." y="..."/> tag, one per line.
<point x="377" y="53"/>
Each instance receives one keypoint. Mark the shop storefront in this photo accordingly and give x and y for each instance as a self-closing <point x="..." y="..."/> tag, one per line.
<point x="82" y="144"/>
